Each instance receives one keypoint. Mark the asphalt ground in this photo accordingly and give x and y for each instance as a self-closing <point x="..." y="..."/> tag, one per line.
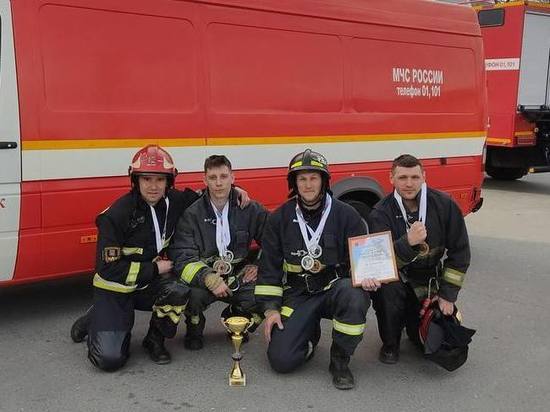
<point x="505" y="298"/>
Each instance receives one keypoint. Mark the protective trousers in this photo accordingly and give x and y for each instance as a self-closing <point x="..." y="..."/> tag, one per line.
<point x="396" y="306"/>
<point x="242" y="303"/>
<point x="301" y="314"/>
<point x="112" y="319"/>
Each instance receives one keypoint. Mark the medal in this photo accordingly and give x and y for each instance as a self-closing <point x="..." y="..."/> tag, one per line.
<point x="312" y="237"/>
<point x="228" y="267"/>
<point x="218" y="266"/>
<point x="315" y="251"/>
<point x="228" y="256"/>
<point x="222" y="267"/>
<point x="316" y="268"/>
<point x="307" y="262"/>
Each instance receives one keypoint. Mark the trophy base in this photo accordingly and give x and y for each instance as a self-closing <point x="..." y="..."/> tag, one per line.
<point x="237" y="381"/>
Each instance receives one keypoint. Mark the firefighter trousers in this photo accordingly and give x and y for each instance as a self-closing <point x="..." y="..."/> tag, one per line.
<point x="112" y="319"/>
<point x="241" y="301"/>
<point x="396" y="306"/>
<point x="343" y="304"/>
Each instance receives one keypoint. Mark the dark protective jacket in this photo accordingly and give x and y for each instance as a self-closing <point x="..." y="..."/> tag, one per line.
<point x="284" y="247"/>
<point x="447" y="233"/>
<point x="126" y="245"/>
<point x="194" y="248"/>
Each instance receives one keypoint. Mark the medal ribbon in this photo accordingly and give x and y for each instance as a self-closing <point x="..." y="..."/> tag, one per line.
<point x="422" y="209"/>
<point x="160" y="237"/>
<point x="305" y="228"/>
<point x="223" y="236"/>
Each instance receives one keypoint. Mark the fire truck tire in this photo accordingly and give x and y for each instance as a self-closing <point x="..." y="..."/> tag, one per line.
<point x="506" y="173"/>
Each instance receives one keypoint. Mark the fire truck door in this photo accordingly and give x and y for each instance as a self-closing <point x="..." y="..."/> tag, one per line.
<point x="10" y="147"/>
<point x="534" y="83"/>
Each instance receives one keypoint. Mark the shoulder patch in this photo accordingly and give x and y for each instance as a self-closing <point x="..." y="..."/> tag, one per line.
<point x="111" y="254"/>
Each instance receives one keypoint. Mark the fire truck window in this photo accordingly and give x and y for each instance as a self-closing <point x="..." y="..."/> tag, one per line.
<point x="264" y="70"/>
<point x="143" y="63"/>
<point x="491" y="18"/>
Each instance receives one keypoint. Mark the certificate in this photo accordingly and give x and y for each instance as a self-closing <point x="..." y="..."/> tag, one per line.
<point x="372" y="256"/>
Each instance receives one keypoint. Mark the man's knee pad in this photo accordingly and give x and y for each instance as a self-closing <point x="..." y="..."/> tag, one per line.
<point x="109" y="350"/>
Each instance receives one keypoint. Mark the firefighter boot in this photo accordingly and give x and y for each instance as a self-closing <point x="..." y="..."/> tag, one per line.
<point x="341" y="375"/>
<point x="389" y="354"/>
<point x="154" y="345"/>
<point x="195" y="326"/>
<point x="79" y="330"/>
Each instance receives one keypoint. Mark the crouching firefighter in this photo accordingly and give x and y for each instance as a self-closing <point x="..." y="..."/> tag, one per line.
<point x="212" y="250"/>
<point x="304" y="273"/>
<point x="131" y="269"/>
<point x="431" y="247"/>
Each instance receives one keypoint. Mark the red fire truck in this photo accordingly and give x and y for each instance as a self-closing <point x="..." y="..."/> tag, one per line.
<point x="516" y="37"/>
<point x="85" y="83"/>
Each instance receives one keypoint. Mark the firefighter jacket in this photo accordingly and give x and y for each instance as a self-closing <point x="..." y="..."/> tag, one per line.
<point x="126" y="245"/>
<point x="194" y="248"/>
<point x="284" y="248"/>
<point x="446" y="233"/>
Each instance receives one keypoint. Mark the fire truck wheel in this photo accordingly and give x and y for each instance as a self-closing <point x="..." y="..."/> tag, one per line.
<point x="506" y="173"/>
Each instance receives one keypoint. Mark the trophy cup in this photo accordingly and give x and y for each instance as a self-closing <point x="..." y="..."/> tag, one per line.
<point x="237" y="326"/>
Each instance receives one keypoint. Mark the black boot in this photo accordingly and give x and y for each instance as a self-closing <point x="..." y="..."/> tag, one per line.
<point x="80" y="327"/>
<point x="389" y="354"/>
<point x="154" y="345"/>
<point x="193" y="337"/>
<point x="341" y="375"/>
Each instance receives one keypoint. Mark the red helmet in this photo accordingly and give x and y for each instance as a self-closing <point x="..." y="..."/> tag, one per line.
<point x="152" y="159"/>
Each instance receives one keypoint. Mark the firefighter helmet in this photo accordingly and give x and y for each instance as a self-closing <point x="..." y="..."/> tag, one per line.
<point x="445" y="340"/>
<point x="153" y="159"/>
<point x="310" y="161"/>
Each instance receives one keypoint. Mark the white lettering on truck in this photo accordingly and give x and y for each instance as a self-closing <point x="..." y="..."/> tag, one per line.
<point x="418" y="82"/>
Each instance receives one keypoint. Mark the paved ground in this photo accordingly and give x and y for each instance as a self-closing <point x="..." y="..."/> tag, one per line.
<point x="505" y="299"/>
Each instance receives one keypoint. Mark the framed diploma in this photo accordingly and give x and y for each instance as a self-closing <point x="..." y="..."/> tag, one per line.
<point x="372" y="256"/>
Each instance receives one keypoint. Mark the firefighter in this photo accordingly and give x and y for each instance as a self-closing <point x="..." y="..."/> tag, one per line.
<point x="426" y="225"/>
<point x="131" y="269"/>
<point x="212" y="250"/>
<point x="304" y="273"/>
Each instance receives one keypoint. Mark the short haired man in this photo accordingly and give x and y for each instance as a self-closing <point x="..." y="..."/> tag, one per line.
<point x="132" y="271"/>
<point x="212" y="250"/>
<point x="426" y="225"/>
<point x="304" y="273"/>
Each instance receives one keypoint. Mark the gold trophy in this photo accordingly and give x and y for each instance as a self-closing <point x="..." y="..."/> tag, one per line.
<point x="237" y="326"/>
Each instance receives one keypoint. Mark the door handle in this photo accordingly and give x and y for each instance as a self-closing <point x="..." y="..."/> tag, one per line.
<point x="8" y="145"/>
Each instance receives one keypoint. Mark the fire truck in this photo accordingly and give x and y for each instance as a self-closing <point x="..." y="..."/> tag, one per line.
<point x="516" y="37"/>
<point x="85" y="83"/>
